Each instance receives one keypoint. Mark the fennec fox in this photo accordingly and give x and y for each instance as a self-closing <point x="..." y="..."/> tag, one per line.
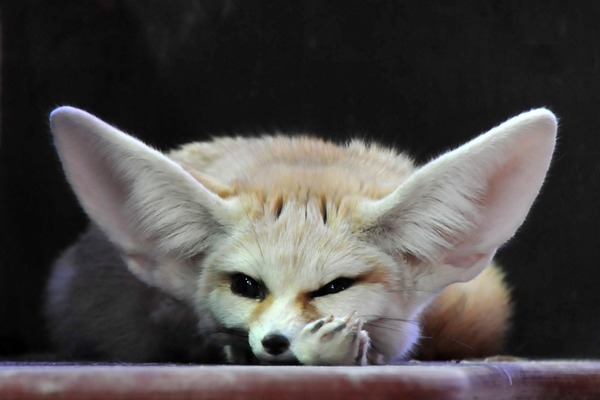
<point x="286" y="250"/>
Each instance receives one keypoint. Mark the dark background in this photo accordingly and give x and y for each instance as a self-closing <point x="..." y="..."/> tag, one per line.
<point x="420" y="75"/>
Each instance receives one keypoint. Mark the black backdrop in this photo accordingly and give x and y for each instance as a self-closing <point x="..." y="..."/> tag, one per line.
<point x="420" y="75"/>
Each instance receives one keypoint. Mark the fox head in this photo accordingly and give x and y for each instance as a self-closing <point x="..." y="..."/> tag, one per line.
<point x="265" y="235"/>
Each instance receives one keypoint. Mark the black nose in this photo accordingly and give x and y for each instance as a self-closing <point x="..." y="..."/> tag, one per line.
<point x="275" y="343"/>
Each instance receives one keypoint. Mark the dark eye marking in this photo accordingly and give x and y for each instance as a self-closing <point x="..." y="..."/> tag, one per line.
<point x="244" y="286"/>
<point x="335" y="286"/>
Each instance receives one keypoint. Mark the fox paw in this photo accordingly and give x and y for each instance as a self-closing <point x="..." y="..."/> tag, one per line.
<point x="332" y="341"/>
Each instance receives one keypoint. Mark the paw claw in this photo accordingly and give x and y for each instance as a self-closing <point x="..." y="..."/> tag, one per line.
<point x="350" y="316"/>
<point x="339" y="327"/>
<point x="317" y="326"/>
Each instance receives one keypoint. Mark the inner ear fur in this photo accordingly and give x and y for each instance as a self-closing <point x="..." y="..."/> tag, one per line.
<point x="156" y="212"/>
<point x="455" y="211"/>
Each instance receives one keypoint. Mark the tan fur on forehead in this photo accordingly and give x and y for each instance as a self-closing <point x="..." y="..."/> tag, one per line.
<point x="274" y="169"/>
<point x="297" y="253"/>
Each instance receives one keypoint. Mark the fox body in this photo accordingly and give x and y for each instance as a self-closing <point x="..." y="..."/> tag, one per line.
<point x="289" y="249"/>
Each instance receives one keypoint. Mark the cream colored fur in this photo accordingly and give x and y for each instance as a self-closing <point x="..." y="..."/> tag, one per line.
<point x="297" y="213"/>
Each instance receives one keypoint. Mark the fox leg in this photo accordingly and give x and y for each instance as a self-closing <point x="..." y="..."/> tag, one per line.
<point x="332" y="341"/>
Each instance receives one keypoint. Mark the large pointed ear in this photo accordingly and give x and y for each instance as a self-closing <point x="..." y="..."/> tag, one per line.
<point x="452" y="214"/>
<point x="148" y="205"/>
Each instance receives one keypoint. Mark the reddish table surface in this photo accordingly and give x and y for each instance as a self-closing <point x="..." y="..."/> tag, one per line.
<point x="465" y="380"/>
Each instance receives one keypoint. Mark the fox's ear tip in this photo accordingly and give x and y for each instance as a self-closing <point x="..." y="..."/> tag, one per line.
<point x="58" y="111"/>
<point x="67" y="117"/>
<point x="543" y="115"/>
<point x="64" y="112"/>
<point x="540" y="111"/>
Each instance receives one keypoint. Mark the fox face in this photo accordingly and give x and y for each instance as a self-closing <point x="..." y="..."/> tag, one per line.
<point x="297" y="251"/>
<point x="285" y="270"/>
<point x="318" y="253"/>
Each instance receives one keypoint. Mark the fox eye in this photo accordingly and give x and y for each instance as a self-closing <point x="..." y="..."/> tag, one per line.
<point x="243" y="285"/>
<point x="335" y="286"/>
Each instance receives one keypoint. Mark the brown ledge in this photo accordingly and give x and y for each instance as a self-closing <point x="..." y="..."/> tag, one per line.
<point x="484" y="380"/>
